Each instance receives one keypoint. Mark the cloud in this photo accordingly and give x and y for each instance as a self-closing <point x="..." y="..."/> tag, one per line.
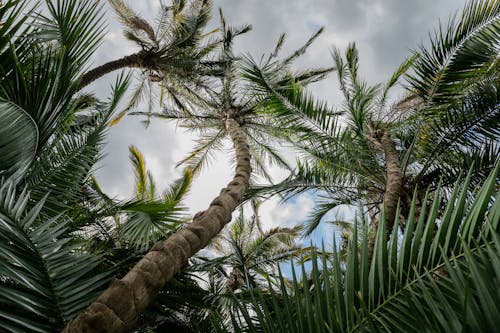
<point x="291" y="213"/>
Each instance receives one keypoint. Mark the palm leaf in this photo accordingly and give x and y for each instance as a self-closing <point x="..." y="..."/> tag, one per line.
<point x="44" y="280"/>
<point x="426" y="280"/>
<point x="460" y="52"/>
<point x="18" y="139"/>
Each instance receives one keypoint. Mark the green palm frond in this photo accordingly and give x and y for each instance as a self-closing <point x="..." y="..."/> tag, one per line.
<point x="144" y="222"/>
<point x="77" y="29"/>
<point x="142" y="183"/>
<point x="203" y="151"/>
<point x="461" y="128"/>
<point x="147" y="219"/>
<point x="432" y="278"/>
<point x="44" y="280"/>
<point x="13" y="16"/>
<point x="40" y="66"/>
<point x="461" y="52"/>
<point x="18" y="139"/>
<point x="180" y="187"/>
<point x="301" y="50"/>
<point x="284" y="98"/>
<point x="64" y="164"/>
<point x="403" y="69"/>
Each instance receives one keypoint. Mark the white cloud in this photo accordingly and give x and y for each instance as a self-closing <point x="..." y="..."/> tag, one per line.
<point x="288" y="214"/>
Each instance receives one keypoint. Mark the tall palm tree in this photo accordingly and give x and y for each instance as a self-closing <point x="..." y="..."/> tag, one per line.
<point x="123" y="231"/>
<point x="223" y="109"/>
<point x="347" y="160"/>
<point x="50" y="139"/>
<point x="383" y="154"/>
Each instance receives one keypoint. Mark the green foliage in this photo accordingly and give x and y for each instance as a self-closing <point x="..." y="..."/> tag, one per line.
<point x="45" y="280"/>
<point x="250" y="253"/>
<point x="438" y="276"/>
<point x="447" y="124"/>
<point x="455" y="120"/>
<point x="177" y="51"/>
<point x="232" y="94"/>
<point x="18" y="140"/>
<point x="62" y="237"/>
<point x="146" y="219"/>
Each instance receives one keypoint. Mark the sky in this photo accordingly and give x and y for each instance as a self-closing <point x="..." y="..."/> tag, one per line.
<point x="385" y="32"/>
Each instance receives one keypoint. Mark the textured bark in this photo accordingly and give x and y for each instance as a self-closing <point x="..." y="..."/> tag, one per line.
<point x="394" y="183"/>
<point x="118" y="307"/>
<point x="135" y="60"/>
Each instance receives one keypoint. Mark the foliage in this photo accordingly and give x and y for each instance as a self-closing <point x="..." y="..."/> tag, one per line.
<point x="62" y="238"/>
<point x="447" y="124"/>
<point x="437" y="276"/>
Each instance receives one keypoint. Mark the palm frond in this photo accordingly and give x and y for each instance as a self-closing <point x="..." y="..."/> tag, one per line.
<point x="65" y="163"/>
<point x="203" y="151"/>
<point x="147" y="221"/>
<point x="433" y="278"/>
<point x="44" y="280"/>
<point x="141" y="174"/>
<point x="180" y="187"/>
<point x="460" y="52"/>
<point x="133" y="21"/>
<point x="18" y="139"/>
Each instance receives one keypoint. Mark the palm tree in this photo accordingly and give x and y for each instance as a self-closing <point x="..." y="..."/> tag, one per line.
<point x="455" y="92"/>
<point x="344" y="161"/>
<point x="240" y="259"/>
<point x="382" y="155"/>
<point x="222" y="109"/>
<point x="50" y="139"/>
<point x="123" y="231"/>
<point x="250" y="254"/>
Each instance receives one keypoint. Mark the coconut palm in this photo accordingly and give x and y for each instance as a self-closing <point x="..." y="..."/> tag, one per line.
<point x="222" y="110"/>
<point x="383" y="154"/>
<point x="248" y="253"/>
<point x="344" y="161"/>
<point x="50" y="139"/>
<point x="243" y="257"/>
<point x="123" y="231"/>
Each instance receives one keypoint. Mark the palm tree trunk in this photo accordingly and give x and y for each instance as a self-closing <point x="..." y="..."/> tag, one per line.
<point x="118" y="307"/>
<point x="135" y="60"/>
<point x="394" y="183"/>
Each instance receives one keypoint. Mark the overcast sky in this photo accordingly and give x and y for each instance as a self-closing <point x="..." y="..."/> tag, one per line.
<point x="384" y="30"/>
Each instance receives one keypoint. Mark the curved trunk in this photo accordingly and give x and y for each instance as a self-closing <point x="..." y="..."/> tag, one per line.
<point x="394" y="183"/>
<point x="118" y="307"/>
<point x="134" y="60"/>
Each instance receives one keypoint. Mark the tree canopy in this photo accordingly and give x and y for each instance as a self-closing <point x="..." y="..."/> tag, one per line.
<point x="423" y="171"/>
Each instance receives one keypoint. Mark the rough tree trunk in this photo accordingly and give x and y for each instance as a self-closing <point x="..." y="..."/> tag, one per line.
<point x="118" y="307"/>
<point x="136" y="60"/>
<point x="394" y="183"/>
